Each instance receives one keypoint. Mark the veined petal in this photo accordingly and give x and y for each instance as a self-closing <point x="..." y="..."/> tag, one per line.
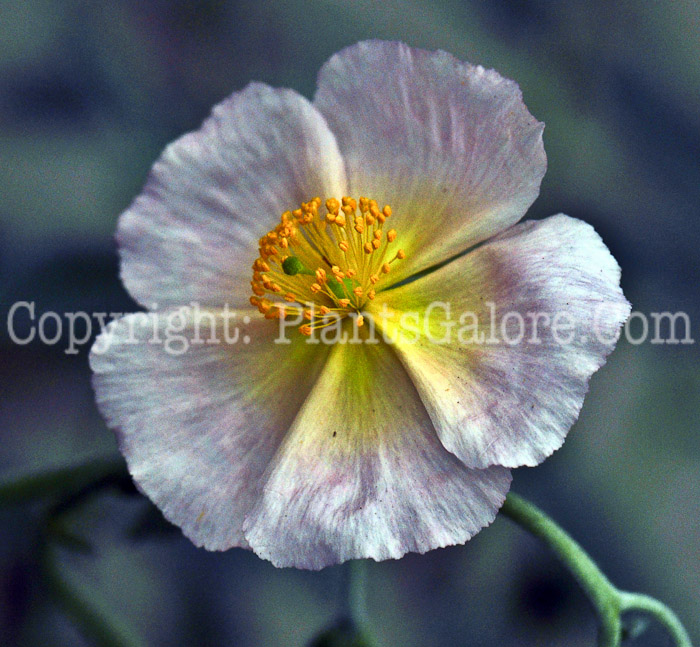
<point x="199" y="428"/>
<point x="495" y="399"/>
<point x="362" y="474"/>
<point x="451" y="147"/>
<point x="192" y="233"/>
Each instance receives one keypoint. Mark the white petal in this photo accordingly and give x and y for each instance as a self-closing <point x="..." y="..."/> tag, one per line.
<point x="493" y="402"/>
<point x="451" y="147"/>
<point x="362" y="473"/>
<point x="199" y="428"/>
<point x="192" y="233"/>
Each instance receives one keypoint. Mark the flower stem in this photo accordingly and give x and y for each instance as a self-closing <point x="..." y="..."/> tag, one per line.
<point x="666" y="617"/>
<point x="608" y="601"/>
<point x="93" y="617"/>
<point x="357" y="592"/>
<point x="350" y="628"/>
<point x="21" y="488"/>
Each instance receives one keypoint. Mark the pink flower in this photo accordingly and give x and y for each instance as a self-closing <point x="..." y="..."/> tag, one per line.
<point x="309" y="453"/>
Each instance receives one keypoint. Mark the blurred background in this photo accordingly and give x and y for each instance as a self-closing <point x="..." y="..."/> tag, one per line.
<point x="90" y="93"/>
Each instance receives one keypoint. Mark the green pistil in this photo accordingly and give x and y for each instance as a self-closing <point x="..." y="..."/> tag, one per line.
<point x="293" y="266"/>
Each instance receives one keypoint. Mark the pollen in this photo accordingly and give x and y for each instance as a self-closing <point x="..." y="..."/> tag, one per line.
<point x="323" y="266"/>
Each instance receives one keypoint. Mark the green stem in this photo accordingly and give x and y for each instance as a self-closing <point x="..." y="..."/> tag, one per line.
<point x="21" y="488"/>
<point x="641" y="602"/>
<point x="95" y="618"/>
<point x="596" y="586"/>
<point x="357" y="592"/>
<point x="351" y="627"/>
<point x="608" y="601"/>
<point x="65" y="488"/>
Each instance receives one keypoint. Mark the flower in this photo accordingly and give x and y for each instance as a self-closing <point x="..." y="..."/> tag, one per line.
<point x="309" y="453"/>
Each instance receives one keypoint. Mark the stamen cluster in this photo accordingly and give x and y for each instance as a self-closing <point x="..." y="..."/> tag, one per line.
<point x="323" y="267"/>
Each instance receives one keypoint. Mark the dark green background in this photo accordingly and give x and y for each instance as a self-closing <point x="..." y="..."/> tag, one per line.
<point x="90" y="93"/>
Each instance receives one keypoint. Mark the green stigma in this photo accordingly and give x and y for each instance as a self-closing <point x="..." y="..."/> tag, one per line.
<point x="292" y="266"/>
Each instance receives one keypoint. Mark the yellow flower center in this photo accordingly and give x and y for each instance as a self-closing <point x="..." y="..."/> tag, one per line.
<point x="324" y="267"/>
